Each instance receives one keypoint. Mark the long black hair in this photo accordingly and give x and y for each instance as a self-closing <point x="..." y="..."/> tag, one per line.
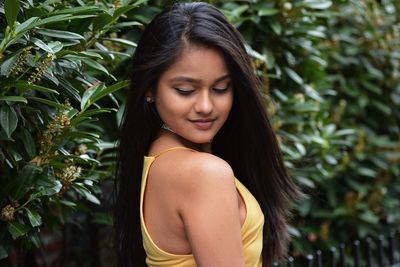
<point x="246" y="140"/>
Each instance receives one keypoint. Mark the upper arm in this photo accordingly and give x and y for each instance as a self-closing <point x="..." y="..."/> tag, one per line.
<point x="210" y="212"/>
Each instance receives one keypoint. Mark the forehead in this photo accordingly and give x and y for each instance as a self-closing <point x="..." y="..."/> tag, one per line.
<point x="198" y="62"/>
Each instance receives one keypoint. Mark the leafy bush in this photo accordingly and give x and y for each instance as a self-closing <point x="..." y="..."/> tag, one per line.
<point x="332" y="71"/>
<point x="56" y="71"/>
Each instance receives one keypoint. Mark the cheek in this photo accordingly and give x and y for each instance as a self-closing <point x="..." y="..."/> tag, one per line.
<point x="168" y="106"/>
<point x="226" y="105"/>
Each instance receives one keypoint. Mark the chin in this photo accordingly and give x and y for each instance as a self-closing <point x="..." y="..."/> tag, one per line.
<point x="199" y="140"/>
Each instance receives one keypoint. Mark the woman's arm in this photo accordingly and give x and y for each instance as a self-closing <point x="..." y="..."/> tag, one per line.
<point x="210" y="212"/>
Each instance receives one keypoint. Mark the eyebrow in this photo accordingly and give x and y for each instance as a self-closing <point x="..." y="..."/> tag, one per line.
<point x="196" y="81"/>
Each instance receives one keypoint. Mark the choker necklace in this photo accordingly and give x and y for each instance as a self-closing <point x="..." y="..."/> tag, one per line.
<point x="164" y="126"/>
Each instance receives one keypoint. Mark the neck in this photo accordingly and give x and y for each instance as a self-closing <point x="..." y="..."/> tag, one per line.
<point x="177" y="140"/>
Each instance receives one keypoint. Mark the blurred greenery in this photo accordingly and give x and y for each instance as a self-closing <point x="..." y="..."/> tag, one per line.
<point x="331" y="75"/>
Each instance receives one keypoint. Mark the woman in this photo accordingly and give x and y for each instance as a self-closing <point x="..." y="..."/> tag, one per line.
<point x="199" y="165"/>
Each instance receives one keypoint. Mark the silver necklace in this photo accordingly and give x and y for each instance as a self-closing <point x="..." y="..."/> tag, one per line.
<point x="164" y="126"/>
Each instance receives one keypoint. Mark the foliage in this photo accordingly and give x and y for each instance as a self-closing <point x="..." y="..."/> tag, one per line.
<point x="331" y="75"/>
<point x="56" y="79"/>
<point x="364" y="71"/>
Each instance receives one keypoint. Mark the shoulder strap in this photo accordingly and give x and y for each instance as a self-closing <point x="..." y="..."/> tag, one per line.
<point x="173" y="148"/>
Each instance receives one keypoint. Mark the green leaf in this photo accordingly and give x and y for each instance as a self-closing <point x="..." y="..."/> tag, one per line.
<point x="293" y="231"/>
<point x="369" y="217"/>
<point x="371" y="87"/>
<point x="95" y="65"/>
<point x="78" y="10"/>
<point x="237" y="12"/>
<point x="312" y="93"/>
<point x="331" y="160"/>
<point x="78" y="120"/>
<point x="121" y="41"/>
<point x="92" y="112"/>
<point x="255" y="54"/>
<point x="268" y="12"/>
<point x="94" y="94"/>
<point x="34" y="217"/>
<point x="17" y="229"/>
<point x="366" y="172"/>
<point x="58" y="19"/>
<point x="305" y="181"/>
<point x="55" y="46"/>
<point x="25" y="26"/>
<point x="14" y="154"/>
<point x="101" y="21"/>
<point x="322" y="14"/>
<point x="60" y="34"/>
<point x="345" y="132"/>
<point x="108" y="90"/>
<point x="11" y="8"/>
<point x="8" y="64"/>
<point x="68" y="203"/>
<point x="317" y="4"/>
<point x="8" y="119"/>
<point x="24" y="180"/>
<point x="316" y="33"/>
<point x="276" y="27"/>
<point x="72" y="112"/>
<point x="81" y="189"/>
<point x="91" y="198"/>
<point x="25" y="85"/>
<point x="119" y="11"/>
<point x="51" y="188"/>
<point x="304" y="107"/>
<point x="84" y="135"/>
<point x="127" y="24"/>
<point x="91" y="54"/>
<point x="51" y="19"/>
<point x="29" y="142"/>
<point x="14" y="99"/>
<point x="52" y="47"/>
<point x="300" y="147"/>
<point x="136" y="3"/>
<point x="382" y="107"/>
<point x="86" y="101"/>
<point x="294" y="76"/>
<point x="47" y="102"/>
<point x="39" y="43"/>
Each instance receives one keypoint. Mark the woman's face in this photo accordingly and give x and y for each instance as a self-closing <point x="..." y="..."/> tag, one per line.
<point x="194" y="95"/>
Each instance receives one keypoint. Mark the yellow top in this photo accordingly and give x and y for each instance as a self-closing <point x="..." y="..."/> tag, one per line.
<point x="252" y="229"/>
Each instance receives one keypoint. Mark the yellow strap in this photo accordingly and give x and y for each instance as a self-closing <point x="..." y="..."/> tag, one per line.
<point x="173" y="148"/>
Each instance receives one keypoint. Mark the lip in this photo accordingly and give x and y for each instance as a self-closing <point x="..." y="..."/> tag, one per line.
<point x="203" y="124"/>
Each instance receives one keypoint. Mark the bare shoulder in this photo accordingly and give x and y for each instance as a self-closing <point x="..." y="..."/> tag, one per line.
<point x="183" y="171"/>
<point x="204" y="169"/>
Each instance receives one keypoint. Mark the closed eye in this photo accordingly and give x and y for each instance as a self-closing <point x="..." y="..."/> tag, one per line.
<point x="221" y="90"/>
<point x="182" y="91"/>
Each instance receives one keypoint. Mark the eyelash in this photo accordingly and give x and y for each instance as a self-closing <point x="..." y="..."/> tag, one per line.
<point x="221" y="90"/>
<point x="188" y="92"/>
<point x="183" y="92"/>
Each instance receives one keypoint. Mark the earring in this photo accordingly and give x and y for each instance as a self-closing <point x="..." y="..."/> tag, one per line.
<point x="149" y="99"/>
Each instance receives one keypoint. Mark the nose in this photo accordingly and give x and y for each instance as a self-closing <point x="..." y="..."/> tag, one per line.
<point x="204" y="103"/>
